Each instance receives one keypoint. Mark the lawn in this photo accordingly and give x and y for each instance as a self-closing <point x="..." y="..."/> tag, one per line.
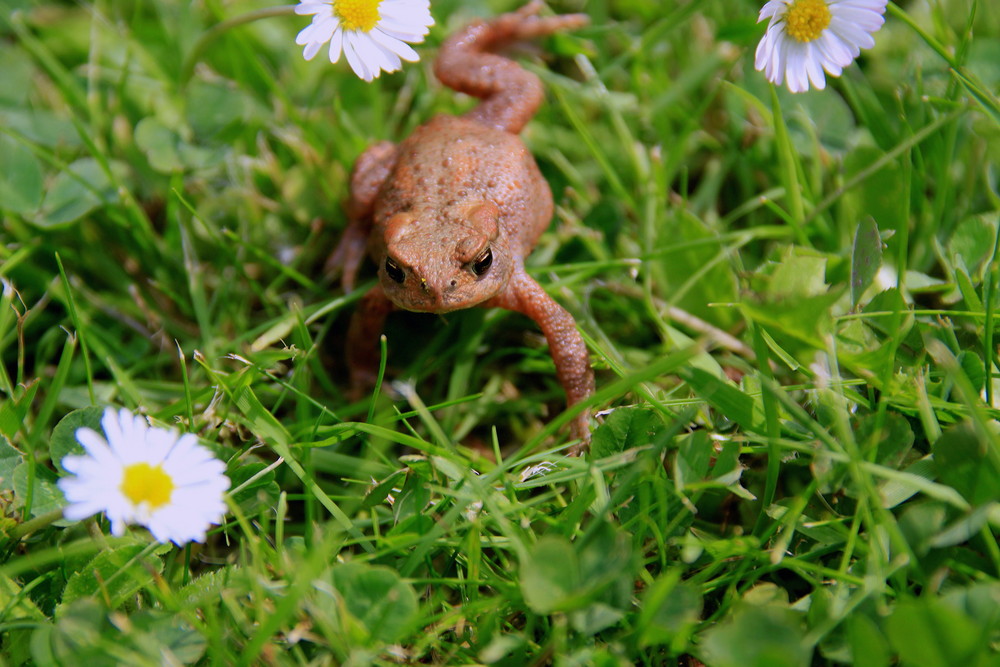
<point x="789" y="302"/>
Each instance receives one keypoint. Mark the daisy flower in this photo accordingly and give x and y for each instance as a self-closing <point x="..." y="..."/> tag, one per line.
<point x="805" y="37"/>
<point x="145" y="475"/>
<point x="371" y="33"/>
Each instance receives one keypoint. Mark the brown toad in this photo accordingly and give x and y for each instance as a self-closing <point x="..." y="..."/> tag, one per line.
<point x="450" y="213"/>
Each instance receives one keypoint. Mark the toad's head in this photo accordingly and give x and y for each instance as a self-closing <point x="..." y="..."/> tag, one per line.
<point x="437" y="261"/>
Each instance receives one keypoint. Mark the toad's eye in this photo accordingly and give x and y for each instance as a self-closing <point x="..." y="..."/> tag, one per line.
<point x="393" y="271"/>
<point x="483" y="262"/>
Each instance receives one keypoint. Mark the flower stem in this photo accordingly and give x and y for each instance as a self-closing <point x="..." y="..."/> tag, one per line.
<point x="30" y="526"/>
<point x="213" y="33"/>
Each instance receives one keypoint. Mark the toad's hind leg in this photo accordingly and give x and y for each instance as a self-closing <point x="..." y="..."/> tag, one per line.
<point x="510" y="95"/>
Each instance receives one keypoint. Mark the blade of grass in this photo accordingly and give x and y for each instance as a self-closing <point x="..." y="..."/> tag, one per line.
<point x="78" y="325"/>
<point x="270" y="430"/>
<point x="789" y="170"/>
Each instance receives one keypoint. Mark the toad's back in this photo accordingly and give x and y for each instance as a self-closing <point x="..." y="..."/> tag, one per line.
<point x="450" y="160"/>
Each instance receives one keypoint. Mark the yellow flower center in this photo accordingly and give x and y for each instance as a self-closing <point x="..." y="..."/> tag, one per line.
<point x="357" y="14"/>
<point x="145" y="483"/>
<point x="806" y="20"/>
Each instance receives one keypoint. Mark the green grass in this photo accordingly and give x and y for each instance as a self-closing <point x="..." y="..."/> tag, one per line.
<point x="821" y="487"/>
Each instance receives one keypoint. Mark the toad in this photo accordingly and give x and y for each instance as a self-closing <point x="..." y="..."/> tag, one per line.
<point x="449" y="214"/>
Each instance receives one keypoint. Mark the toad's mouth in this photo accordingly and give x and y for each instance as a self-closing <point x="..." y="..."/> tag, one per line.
<point x="438" y="303"/>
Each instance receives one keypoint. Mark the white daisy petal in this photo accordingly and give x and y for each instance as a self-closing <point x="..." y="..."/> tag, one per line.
<point x="145" y="475"/>
<point x="402" y="16"/>
<point x="866" y="14"/>
<point x="775" y="57"/>
<point x="91" y="440"/>
<point x="373" y="35"/>
<point x="837" y="55"/>
<point x="763" y="54"/>
<point x="84" y="502"/>
<point x="336" y="45"/>
<point x="852" y="37"/>
<point x="317" y="31"/>
<point x="396" y="47"/>
<point x="354" y="59"/>
<point x="770" y="9"/>
<point x="312" y="48"/>
<point x="381" y="54"/>
<point x="372" y="56"/>
<point x="95" y="447"/>
<point x="806" y="40"/>
<point x="201" y="473"/>
<point x="367" y="55"/>
<point x="795" y="70"/>
<point x="391" y="60"/>
<point x="114" y="426"/>
<point x="814" y="69"/>
<point x="306" y="7"/>
<point x="400" y="31"/>
<point x="117" y="526"/>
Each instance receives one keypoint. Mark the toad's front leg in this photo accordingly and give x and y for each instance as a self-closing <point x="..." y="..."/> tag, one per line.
<point x="566" y="346"/>
<point x="370" y="170"/>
